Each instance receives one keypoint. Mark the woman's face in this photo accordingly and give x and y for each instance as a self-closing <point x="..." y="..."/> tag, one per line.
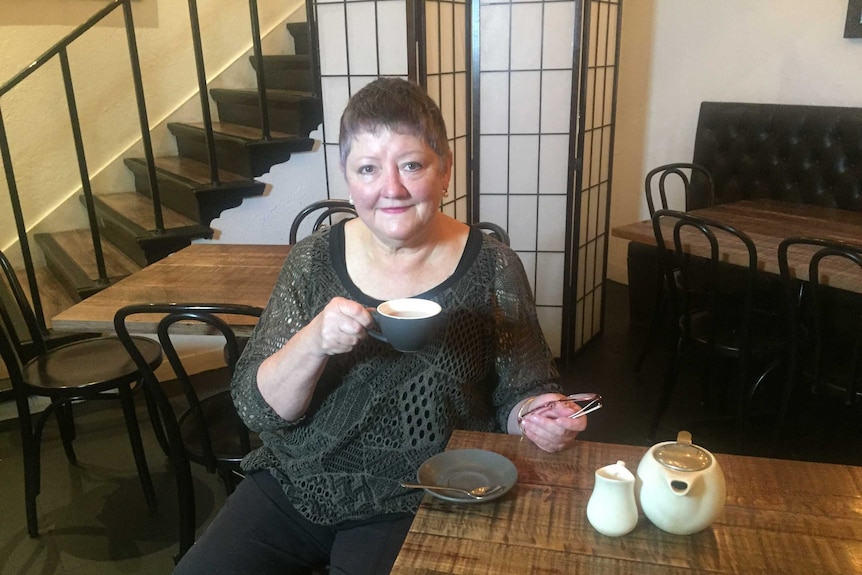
<point x="396" y="182"/>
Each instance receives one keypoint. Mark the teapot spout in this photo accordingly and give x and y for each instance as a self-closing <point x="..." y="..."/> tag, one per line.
<point x="679" y="487"/>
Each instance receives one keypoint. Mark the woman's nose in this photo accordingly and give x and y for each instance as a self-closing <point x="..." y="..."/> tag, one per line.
<point x="392" y="184"/>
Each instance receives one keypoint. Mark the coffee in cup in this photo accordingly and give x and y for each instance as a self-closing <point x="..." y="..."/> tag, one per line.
<point x="407" y="324"/>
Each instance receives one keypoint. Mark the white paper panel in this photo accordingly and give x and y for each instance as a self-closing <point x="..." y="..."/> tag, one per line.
<point x="523" y="164"/>
<point x="524" y="113"/>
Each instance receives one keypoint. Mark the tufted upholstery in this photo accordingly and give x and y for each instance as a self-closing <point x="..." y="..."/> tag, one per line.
<point x="795" y="153"/>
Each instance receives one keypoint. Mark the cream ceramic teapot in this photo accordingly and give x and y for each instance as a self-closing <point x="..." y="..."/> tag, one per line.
<point x="680" y="486"/>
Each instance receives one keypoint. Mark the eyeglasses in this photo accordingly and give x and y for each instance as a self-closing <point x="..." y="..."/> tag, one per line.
<point x="593" y="402"/>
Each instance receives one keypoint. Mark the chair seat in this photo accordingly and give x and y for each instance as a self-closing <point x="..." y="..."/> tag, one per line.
<point x="768" y="333"/>
<point x="225" y="429"/>
<point x="61" y="373"/>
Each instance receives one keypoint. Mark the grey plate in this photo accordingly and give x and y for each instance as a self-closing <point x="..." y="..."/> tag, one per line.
<point x="467" y="469"/>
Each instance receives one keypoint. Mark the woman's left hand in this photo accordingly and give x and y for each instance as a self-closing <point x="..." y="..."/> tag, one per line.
<point x="551" y="428"/>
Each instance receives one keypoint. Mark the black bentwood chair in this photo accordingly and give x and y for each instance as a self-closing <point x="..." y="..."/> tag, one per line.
<point x="324" y="210"/>
<point x="825" y="351"/>
<point x="725" y="324"/>
<point x="85" y="369"/>
<point x="208" y="431"/>
<point x="694" y="184"/>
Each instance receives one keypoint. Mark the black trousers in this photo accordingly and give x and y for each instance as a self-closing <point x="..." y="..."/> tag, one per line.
<point x="258" y="531"/>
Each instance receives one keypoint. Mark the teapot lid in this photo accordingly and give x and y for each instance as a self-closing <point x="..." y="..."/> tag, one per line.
<point x="682" y="455"/>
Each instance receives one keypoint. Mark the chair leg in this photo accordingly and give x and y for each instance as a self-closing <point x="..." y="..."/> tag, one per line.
<point x="66" y="425"/>
<point x="186" y="497"/>
<point x="156" y="420"/>
<point x="667" y="389"/>
<point x="137" y="445"/>
<point x="32" y="481"/>
<point x="32" y="471"/>
<point x="655" y="320"/>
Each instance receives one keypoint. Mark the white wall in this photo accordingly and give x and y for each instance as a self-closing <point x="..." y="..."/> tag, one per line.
<point x="677" y="53"/>
<point x="266" y="219"/>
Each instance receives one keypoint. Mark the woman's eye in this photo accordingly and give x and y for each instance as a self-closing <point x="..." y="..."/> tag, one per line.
<point x="364" y="170"/>
<point x="412" y="166"/>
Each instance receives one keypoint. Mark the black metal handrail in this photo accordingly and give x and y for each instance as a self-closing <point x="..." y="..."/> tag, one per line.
<point x="59" y="50"/>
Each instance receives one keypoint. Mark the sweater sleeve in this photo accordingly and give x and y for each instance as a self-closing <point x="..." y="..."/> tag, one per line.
<point x="290" y="308"/>
<point x="523" y="360"/>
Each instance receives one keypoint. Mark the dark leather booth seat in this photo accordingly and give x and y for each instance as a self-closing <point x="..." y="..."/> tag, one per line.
<point x="799" y="154"/>
<point x="794" y="153"/>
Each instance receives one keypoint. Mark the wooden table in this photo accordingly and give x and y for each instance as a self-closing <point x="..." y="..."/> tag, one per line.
<point x="200" y="273"/>
<point x="780" y="517"/>
<point x="767" y="223"/>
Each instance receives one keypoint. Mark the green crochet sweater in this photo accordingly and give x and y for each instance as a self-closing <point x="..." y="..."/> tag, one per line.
<point x="377" y="414"/>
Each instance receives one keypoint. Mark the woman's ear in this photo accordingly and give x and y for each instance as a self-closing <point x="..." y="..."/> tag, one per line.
<point x="447" y="175"/>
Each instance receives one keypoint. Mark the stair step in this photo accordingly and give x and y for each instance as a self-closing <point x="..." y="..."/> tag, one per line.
<point x="239" y="149"/>
<point x="53" y="295"/>
<point x="138" y="209"/>
<point x="184" y="184"/>
<point x="301" y="41"/>
<point x="283" y="72"/>
<point x="127" y="220"/>
<point x="290" y="111"/>
<point x="70" y="257"/>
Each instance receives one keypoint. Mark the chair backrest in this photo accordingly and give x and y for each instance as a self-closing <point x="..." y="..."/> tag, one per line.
<point x="833" y="317"/>
<point x="697" y="282"/>
<point x="494" y="231"/>
<point x="210" y="314"/>
<point x="18" y="317"/>
<point x="694" y="180"/>
<point x="323" y="211"/>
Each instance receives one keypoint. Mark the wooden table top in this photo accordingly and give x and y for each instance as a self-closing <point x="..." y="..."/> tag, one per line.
<point x="780" y="517"/>
<point x="767" y="223"/>
<point x="200" y="273"/>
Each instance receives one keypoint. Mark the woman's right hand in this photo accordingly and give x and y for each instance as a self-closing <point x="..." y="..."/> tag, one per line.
<point x="341" y="325"/>
<point x="287" y="378"/>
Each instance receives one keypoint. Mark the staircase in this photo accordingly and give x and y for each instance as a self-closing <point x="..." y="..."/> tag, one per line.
<point x="189" y="199"/>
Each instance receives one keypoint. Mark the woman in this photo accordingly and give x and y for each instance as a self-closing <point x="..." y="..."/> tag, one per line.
<point x="345" y="418"/>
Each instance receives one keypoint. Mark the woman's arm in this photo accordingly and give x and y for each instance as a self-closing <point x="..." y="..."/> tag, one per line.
<point x="525" y="365"/>
<point x="287" y="378"/>
<point x="282" y="363"/>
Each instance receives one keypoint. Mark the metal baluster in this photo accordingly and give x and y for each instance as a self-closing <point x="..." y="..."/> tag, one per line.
<point x="203" y="90"/>
<point x="261" y="78"/>
<point x="15" y="200"/>
<point x="142" y="117"/>
<point x="82" y="168"/>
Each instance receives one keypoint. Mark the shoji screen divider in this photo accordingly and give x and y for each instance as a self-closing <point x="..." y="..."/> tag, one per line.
<point x="527" y="89"/>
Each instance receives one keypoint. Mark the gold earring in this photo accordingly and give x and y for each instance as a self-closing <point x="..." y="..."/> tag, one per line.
<point x="445" y="192"/>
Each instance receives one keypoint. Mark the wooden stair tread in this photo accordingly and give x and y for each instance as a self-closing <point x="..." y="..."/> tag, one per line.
<point x="138" y="208"/>
<point x="273" y="95"/>
<point x="53" y="296"/>
<point x="194" y="170"/>
<point x="79" y="245"/>
<point x="301" y="60"/>
<point x="245" y="132"/>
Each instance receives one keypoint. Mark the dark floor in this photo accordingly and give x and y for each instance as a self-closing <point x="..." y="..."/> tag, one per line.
<point x="823" y="431"/>
<point x="93" y="519"/>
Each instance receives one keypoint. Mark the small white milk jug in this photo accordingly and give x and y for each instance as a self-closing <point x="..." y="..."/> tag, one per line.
<point x="611" y="509"/>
